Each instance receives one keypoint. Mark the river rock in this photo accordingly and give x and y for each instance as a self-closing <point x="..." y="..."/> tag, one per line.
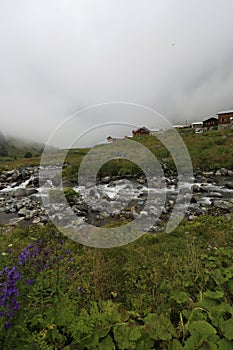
<point x="89" y="184"/>
<point x="142" y="181"/>
<point x="17" y="176"/>
<point x="207" y="173"/>
<point x="56" y="180"/>
<point x="25" y="174"/>
<point x="204" y="188"/>
<point x="35" y="180"/>
<point x="92" y="193"/>
<point x="36" y="220"/>
<point x="215" y="194"/>
<point x="30" y="191"/>
<point x="221" y="204"/>
<point x="15" y="221"/>
<point x="44" y="219"/>
<point x="106" y="179"/>
<point x="106" y="197"/>
<point x="24" y="212"/>
<point x="19" y="192"/>
<point x="222" y="172"/>
<point x="195" y="188"/>
<point x="229" y="185"/>
<point x="192" y="217"/>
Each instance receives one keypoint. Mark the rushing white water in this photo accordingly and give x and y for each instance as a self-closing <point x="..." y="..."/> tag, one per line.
<point x="13" y="186"/>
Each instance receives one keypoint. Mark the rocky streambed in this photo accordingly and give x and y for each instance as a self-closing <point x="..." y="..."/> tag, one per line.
<point x="115" y="198"/>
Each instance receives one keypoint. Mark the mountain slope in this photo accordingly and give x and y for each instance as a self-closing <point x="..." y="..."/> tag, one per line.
<point x="3" y="146"/>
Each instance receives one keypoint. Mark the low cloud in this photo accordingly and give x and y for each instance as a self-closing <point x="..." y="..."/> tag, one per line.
<point x="58" y="57"/>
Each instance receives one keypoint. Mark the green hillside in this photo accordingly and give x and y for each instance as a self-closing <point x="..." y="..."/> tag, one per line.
<point x="211" y="150"/>
<point x="15" y="152"/>
<point x="208" y="151"/>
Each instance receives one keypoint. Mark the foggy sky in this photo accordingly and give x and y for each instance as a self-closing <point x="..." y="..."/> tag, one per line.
<point x="60" y="56"/>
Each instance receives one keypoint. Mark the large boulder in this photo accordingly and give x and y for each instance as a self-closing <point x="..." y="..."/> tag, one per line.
<point x="222" y="172"/>
<point x="224" y="205"/>
<point x="24" y="212"/>
<point x="19" y="192"/>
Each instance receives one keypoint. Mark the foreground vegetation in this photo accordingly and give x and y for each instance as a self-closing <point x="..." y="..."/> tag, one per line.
<point x="161" y="292"/>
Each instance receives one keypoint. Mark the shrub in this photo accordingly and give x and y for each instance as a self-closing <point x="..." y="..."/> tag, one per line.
<point x="28" y="155"/>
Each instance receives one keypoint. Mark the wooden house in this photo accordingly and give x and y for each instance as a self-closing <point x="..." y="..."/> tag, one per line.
<point x="225" y="119"/>
<point x="210" y="123"/>
<point x="141" y="132"/>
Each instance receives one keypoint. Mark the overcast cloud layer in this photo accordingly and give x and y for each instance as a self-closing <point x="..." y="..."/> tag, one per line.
<point x="60" y="56"/>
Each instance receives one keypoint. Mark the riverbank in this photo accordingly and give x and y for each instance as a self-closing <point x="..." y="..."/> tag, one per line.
<point x="114" y="199"/>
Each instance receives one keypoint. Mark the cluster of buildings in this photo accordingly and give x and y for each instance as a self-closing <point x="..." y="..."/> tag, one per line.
<point x="224" y="120"/>
<point x="137" y="132"/>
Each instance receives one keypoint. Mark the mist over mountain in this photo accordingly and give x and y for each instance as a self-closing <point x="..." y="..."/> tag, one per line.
<point x="3" y="146"/>
<point x="15" y="147"/>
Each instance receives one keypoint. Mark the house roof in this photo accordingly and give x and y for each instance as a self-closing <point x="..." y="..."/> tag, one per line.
<point x="142" y="128"/>
<point x="210" y="118"/>
<point x="225" y="112"/>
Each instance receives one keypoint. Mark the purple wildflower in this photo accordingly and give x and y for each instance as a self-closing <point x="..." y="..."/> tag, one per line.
<point x="7" y="325"/>
<point x="30" y="281"/>
<point x="9" y="293"/>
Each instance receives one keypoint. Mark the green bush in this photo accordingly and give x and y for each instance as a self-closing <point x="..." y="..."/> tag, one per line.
<point x="28" y="155"/>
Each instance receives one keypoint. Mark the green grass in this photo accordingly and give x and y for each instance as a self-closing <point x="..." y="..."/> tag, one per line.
<point x="174" y="290"/>
<point x="7" y="163"/>
<point x="211" y="150"/>
<point x="208" y="151"/>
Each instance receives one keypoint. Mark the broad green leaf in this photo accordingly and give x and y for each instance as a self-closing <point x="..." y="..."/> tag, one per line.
<point x="227" y="328"/>
<point x="35" y="346"/>
<point x="213" y="295"/>
<point x="115" y="316"/>
<point x="209" y="345"/>
<point x="175" y="345"/>
<point x="122" y="336"/>
<point x="124" y="314"/>
<point x="197" y="314"/>
<point x="218" y="312"/>
<point x="201" y="328"/>
<point x="225" y="344"/>
<point x="192" y="342"/>
<point x="207" y="303"/>
<point x="159" y="327"/>
<point x="145" y="344"/>
<point x="197" y="342"/>
<point x="102" y="330"/>
<point x="135" y="332"/>
<point x="180" y="297"/>
<point x="107" y="344"/>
